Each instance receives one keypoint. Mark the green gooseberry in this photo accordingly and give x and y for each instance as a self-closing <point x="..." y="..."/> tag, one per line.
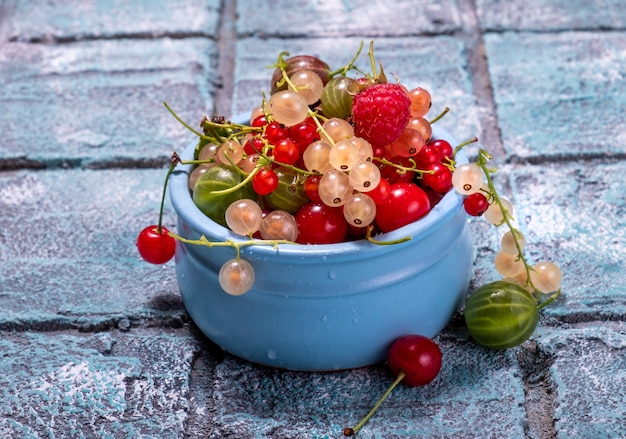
<point x="337" y="97"/>
<point x="501" y="315"/>
<point x="219" y="178"/>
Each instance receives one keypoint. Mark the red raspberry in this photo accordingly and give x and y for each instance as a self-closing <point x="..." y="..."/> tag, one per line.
<point x="380" y="113"/>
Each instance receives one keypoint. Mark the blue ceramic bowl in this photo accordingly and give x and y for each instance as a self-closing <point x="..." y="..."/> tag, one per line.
<point x="325" y="307"/>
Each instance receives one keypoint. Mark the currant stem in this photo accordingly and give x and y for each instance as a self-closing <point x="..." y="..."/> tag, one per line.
<point x="483" y="157"/>
<point x="351" y="431"/>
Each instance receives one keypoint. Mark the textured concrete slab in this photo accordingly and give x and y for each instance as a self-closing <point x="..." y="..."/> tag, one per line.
<point x="542" y="15"/>
<point x="90" y="103"/>
<point x="40" y="20"/>
<point x="588" y="375"/>
<point x="477" y="394"/>
<point x="67" y="249"/>
<point x="326" y="18"/>
<point x="132" y="385"/>
<point x="576" y="214"/>
<point x="437" y="64"/>
<point x="559" y="95"/>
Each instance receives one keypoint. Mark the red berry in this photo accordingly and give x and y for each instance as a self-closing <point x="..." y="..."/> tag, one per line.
<point x="275" y="132"/>
<point x="265" y="181"/>
<point x="320" y="224"/>
<point x="444" y="148"/>
<point x="417" y="356"/>
<point x="304" y="133"/>
<point x="310" y="187"/>
<point x="440" y="180"/>
<point x="380" y="113"/>
<point x="381" y="192"/>
<point x="406" y="203"/>
<point x="155" y="247"/>
<point x="476" y="204"/>
<point x="427" y="156"/>
<point x="286" y="151"/>
<point x="259" y="121"/>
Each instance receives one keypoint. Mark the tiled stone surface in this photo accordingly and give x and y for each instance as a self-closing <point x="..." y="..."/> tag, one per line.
<point x="107" y="384"/>
<point x="542" y="15"/>
<point x="40" y="20"/>
<point x="477" y="394"/>
<point x="303" y="18"/>
<point x="67" y="248"/>
<point x="588" y="372"/>
<point x="100" y="103"/>
<point x="559" y="95"/>
<point x="95" y="343"/>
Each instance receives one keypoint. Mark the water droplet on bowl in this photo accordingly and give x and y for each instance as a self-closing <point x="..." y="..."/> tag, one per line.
<point x="271" y="354"/>
<point x="355" y="322"/>
<point x="324" y="318"/>
<point x="332" y="274"/>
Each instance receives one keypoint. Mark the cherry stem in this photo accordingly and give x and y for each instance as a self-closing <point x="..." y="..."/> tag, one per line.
<point x="368" y="236"/>
<point x="351" y="431"/>
<point x="174" y="160"/>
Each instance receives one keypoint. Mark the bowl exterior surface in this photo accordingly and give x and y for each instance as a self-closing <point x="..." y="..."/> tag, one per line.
<point x="325" y="307"/>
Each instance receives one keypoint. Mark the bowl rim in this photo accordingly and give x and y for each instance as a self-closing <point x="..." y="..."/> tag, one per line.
<point x="185" y="208"/>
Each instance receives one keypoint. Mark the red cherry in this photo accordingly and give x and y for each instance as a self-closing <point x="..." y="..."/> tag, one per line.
<point x="406" y="203"/>
<point x="155" y="247"/>
<point x="417" y="356"/>
<point x="476" y="204"/>
<point x="320" y="224"/>
<point x="415" y="360"/>
<point x="381" y="192"/>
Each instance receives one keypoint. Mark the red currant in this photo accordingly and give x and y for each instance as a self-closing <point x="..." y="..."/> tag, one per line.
<point x="259" y="121"/>
<point x="286" y="151"/>
<point x="476" y="204"/>
<point x="275" y="132"/>
<point x="304" y="133"/>
<point x="155" y="247"/>
<point x="440" y="180"/>
<point x="427" y="156"/>
<point x="310" y="187"/>
<point x="417" y="356"/>
<point x="444" y="148"/>
<point x="265" y="181"/>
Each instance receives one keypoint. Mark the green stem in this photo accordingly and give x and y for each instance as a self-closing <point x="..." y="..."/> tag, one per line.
<point x="185" y="124"/>
<point x="174" y="160"/>
<point x="439" y="116"/>
<point x="482" y="163"/>
<point x="368" y="236"/>
<point x="230" y="243"/>
<point x="351" y="431"/>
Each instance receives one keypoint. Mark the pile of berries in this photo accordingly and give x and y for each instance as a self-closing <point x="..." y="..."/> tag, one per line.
<point x="329" y="158"/>
<point x="324" y="159"/>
